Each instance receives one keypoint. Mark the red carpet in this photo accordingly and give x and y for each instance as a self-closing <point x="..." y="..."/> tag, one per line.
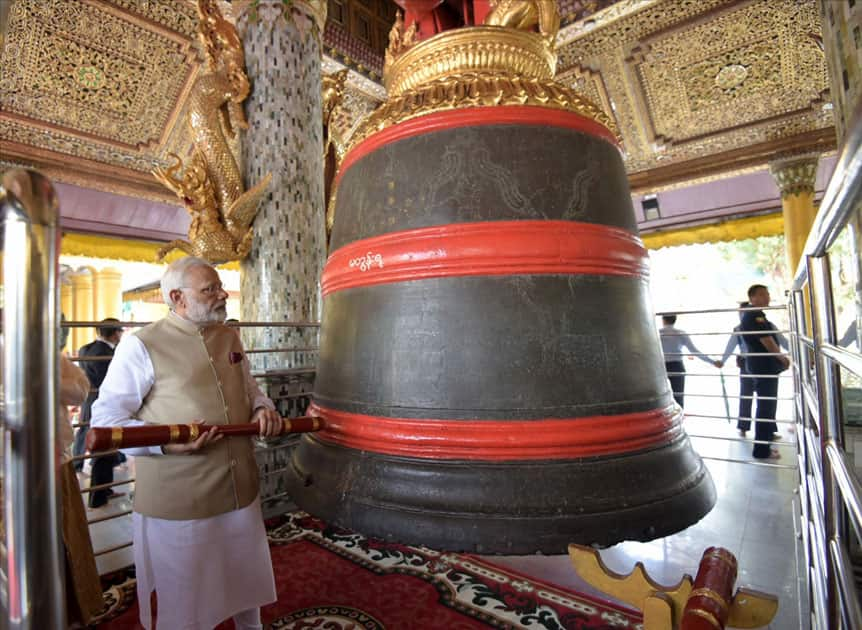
<point x="332" y="579"/>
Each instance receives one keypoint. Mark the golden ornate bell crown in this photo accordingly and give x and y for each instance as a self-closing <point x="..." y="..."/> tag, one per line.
<point x="472" y="66"/>
<point x="473" y="50"/>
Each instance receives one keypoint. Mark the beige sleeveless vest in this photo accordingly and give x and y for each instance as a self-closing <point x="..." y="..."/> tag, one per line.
<point x="198" y="377"/>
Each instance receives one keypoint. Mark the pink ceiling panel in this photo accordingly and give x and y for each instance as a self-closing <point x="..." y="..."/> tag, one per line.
<point x="752" y="193"/>
<point x="95" y="212"/>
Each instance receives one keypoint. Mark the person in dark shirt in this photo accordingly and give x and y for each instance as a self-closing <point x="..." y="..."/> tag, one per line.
<point x="746" y="383"/>
<point x="103" y="467"/>
<point x="763" y="363"/>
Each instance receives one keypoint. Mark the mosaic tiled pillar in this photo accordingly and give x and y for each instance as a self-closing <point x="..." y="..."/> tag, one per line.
<point x="842" y="45"/>
<point x="280" y="277"/>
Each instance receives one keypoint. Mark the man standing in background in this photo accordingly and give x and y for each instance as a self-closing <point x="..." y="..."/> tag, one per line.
<point x="746" y="383"/>
<point x="764" y="363"/>
<point x="103" y="467"/>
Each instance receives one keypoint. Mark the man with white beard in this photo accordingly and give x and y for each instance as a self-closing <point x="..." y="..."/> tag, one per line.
<point x="199" y="538"/>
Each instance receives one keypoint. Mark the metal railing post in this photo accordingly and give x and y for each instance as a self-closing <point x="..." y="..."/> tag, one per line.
<point x="33" y="563"/>
<point x="831" y="432"/>
<point x="796" y="306"/>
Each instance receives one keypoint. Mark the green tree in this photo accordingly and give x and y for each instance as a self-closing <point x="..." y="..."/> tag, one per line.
<point x="764" y="254"/>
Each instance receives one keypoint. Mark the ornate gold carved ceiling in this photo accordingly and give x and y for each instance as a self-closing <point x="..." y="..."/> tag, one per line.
<point x="92" y="90"/>
<point x="100" y="82"/>
<point x="703" y="85"/>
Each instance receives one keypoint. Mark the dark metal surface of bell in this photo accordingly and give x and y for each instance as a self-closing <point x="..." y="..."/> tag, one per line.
<point x="490" y="374"/>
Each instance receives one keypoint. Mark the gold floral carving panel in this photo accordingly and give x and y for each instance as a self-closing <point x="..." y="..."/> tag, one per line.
<point x="590" y="84"/>
<point x="361" y="97"/>
<point x="94" y="89"/>
<point x="687" y="80"/>
<point x="747" y="64"/>
<point x="82" y="68"/>
<point x="179" y="16"/>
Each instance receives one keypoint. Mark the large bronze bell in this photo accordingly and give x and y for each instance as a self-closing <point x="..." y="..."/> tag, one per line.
<point x="490" y="376"/>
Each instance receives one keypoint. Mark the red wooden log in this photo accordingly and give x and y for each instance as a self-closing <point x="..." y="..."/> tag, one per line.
<point x="104" y="438"/>
<point x="708" y="605"/>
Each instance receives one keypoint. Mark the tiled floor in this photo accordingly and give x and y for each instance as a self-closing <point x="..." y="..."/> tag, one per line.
<point x="753" y="518"/>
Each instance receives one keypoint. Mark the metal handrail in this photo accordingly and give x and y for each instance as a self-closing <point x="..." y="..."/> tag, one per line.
<point x="107" y="550"/>
<point x="105" y="486"/>
<point x="809" y="397"/>
<point x="842" y="197"/>
<point x="284" y="372"/>
<point x="725" y="418"/>
<point x="78" y="458"/>
<point x="299" y="324"/>
<point x="808" y="341"/>
<point x="292" y="396"/>
<point x="813" y="455"/>
<point x="741" y="333"/>
<point x="109" y="517"/>
<point x="718" y="354"/>
<point x="722" y="438"/>
<point x="710" y="311"/>
<point x="846" y="583"/>
<point x="851" y="489"/>
<point x="30" y="374"/>
<point x="850" y="361"/>
<point x="734" y="396"/>
<point x="783" y="375"/>
<point x="750" y="462"/>
<point x="108" y="357"/>
<point x="265" y="350"/>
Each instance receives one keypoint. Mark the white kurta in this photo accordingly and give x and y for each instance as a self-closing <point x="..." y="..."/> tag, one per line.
<point x="205" y="570"/>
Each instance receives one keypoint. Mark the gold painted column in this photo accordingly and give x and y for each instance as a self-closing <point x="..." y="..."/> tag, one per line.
<point x="107" y="294"/>
<point x="82" y="307"/>
<point x="795" y="179"/>
<point x="67" y="305"/>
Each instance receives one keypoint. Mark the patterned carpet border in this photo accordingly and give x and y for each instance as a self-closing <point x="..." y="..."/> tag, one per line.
<point x="119" y="594"/>
<point x="493" y="595"/>
<point x="460" y="590"/>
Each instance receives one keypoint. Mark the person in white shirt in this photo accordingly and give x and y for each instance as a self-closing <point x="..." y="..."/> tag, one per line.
<point x="673" y="341"/>
<point x="199" y="538"/>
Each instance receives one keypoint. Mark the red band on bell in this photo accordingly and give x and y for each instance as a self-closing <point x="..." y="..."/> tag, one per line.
<point x="474" y="117"/>
<point x="486" y="249"/>
<point x="500" y="440"/>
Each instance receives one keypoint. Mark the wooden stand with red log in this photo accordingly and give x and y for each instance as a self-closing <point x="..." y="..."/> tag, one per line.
<point x="706" y="603"/>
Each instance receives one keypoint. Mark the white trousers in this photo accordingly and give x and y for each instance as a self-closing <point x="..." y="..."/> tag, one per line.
<point x="203" y="571"/>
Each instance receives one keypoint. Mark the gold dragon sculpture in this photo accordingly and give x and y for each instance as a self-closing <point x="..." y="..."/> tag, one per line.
<point x="334" y="144"/>
<point x="332" y="95"/>
<point x="210" y="181"/>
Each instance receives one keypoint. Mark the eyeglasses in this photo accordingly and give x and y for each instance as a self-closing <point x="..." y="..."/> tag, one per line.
<point x="211" y="289"/>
